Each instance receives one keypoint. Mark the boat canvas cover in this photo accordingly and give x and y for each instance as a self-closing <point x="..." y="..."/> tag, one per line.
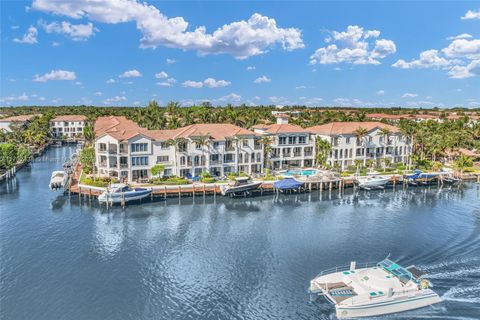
<point x="287" y="184"/>
<point x="397" y="270"/>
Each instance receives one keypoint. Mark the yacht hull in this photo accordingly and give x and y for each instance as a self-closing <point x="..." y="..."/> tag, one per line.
<point x="126" y="196"/>
<point x="387" y="307"/>
<point x="229" y="190"/>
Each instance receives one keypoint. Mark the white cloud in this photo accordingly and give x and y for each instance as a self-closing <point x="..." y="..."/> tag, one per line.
<point x="14" y="27"/>
<point x="55" y="44"/>
<point x="409" y="95"/>
<point x="98" y="93"/>
<point x="249" y="68"/>
<point x="30" y="37"/>
<point x="301" y="87"/>
<point x="161" y="75"/>
<point x="471" y="14"/>
<point x="77" y="32"/>
<point x="460" y="58"/>
<point x="136" y="103"/>
<point x="192" y="84"/>
<point x="241" y="39"/>
<point x="262" y="79"/>
<point x="22" y="97"/>
<point x="109" y="81"/>
<point x="380" y="92"/>
<point x="209" y="82"/>
<point x="171" y="61"/>
<point x="232" y="98"/>
<point x="168" y="83"/>
<point x="130" y="74"/>
<point x="56" y="75"/>
<point x="355" y="45"/>
<point x="419" y="104"/>
<point x="212" y="83"/>
<point x="461" y="36"/>
<point x="312" y="102"/>
<point x="115" y="99"/>
<point x="462" y="72"/>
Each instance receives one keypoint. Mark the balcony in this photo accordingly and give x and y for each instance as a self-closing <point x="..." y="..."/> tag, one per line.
<point x="215" y="162"/>
<point x="102" y="164"/>
<point x="297" y="154"/>
<point x="229" y="148"/>
<point x="123" y="165"/>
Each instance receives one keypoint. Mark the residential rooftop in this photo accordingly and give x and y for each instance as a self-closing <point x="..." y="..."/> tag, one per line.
<point x="340" y="128"/>
<point x="70" y="117"/>
<point x="20" y="118"/>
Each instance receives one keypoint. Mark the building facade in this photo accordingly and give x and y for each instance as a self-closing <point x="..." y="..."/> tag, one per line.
<point x="68" y="126"/>
<point x="20" y="121"/>
<point x="379" y="141"/>
<point x="290" y="145"/>
<point x="127" y="151"/>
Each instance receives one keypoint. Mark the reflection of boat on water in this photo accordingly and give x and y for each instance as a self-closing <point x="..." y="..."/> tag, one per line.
<point x="373" y="181"/>
<point x="375" y="289"/>
<point x="58" y="180"/>
<point x="241" y="185"/>
<point x="119" y="192"/>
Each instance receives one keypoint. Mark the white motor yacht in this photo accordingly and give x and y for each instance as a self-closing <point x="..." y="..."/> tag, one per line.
<point x="241" y="185"/>
<point x="119" y="192"/>
<point x="58" y="180"/>
<point x="373" y="181"/>
<point x="378" y="289"/>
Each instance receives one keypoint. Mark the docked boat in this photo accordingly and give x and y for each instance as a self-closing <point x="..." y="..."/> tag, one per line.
<point x="119" y="192"/>
<point x="373" y="181"/>
<point x="58" y="180"/>
<point x="374" y="289"/>
<point x="241" y="185"/>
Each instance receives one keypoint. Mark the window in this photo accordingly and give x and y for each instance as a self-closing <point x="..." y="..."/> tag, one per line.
<point x="370" y="139"/>
<point x="139" y="161"/>
<point x="164" y="145"/>
<point x="229" y="158"/>
<point x="292" y="140"/>
<point x="162" y="159"/>
<point x="335" y="141"/>
<point x="216" y="144"/>
<point x="347" y="140"/>
<point x="182" y="161"/>
<point x="167" y="172"/>
<point x="139" y="147"/>
<point x="198" y="146"/>
<point x="101" y="146"/>
<point x="282" y="140"/>
<point x="302" y="139"/>
<point x="245" y="143"/>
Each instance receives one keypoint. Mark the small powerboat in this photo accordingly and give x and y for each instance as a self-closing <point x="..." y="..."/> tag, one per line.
<point x="241" y="185"/>
<point x="375" y="289"/>
<point x="58" y="180"/>
<point x="119" y="192"/>
<point x="373" y="181"/>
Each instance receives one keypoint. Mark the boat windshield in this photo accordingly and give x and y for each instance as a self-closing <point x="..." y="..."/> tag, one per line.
<point x="403" y="274"/>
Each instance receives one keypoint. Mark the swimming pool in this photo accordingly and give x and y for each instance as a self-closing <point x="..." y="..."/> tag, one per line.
<point x="301" y="172"/>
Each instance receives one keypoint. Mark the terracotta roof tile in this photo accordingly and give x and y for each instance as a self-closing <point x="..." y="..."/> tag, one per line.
<point x="338" y="128"/>
<point x="281" y="128"/>
<point x="70" y="117"/>
<point x="20" y="118"/>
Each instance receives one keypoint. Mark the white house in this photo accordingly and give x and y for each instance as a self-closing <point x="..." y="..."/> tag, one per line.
<point x="126" y="150"/>
<point x="291" y="146"/>
<point x="70" y="126"/>
<point x="347" y="146"/>
<point x="19" y="121"/>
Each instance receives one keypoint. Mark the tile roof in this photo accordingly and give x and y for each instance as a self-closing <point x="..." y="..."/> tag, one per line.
<point x="280" y="128"/>
<point x="20" y="118"/>
<point x="122" y="128"/>
<point x="338" y="128"/>
<point x="70" y="117"/>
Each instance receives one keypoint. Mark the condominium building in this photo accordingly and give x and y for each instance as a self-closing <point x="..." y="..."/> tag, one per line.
<point x="290" y="145"/>
<point x="375" y="144"/>
<point x="125" y="150"/>
<point x="68" y="126"/>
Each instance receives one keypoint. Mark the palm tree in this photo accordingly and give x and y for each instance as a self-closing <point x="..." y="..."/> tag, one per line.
<point x="360" y="134"/>
<point x="462" y="163"/>
<point x="385" y="132"/>
<point x="322" y="150"/>
<point x="89" y="134"/>
<point x="266" y="142"/>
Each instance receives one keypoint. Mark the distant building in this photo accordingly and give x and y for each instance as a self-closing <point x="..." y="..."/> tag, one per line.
<point x="68" y="126"/>
<point x="19" y="121"/>
<point x="291" y="145"/>
<point x="347" y="147"/>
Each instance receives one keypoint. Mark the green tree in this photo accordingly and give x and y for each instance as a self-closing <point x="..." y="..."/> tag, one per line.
<point x="322" y="150"/>
<point x="360" y="134"/>
<point x="462" y="163"/>
<point x="89" y="134"/>
<point x="8" y="155"/>
<point x="87" y="159"/>
<point x="157" y="169"/>
<point x="23" y="154"/>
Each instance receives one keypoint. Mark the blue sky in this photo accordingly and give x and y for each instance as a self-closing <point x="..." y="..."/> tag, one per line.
<point x="123" y="52"/>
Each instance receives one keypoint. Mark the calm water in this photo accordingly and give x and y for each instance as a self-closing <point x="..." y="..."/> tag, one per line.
<point x="222" y="258"/>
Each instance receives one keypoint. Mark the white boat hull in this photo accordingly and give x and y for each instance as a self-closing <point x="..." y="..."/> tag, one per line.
<point x="386" y="307"/>
<point x="127" y="196"/>
<point x="372" y="183"/>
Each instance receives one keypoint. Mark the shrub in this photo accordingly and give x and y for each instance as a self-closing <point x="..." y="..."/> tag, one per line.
<point x="169" y="181"/>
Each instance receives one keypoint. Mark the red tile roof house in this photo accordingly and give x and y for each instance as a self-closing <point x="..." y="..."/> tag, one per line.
<point x="21" y="121"/>
<point x="126" y="150"/>
<point x="291" y="145"/>
<point x="70" y="126"/>
<point x="375" y="144"/>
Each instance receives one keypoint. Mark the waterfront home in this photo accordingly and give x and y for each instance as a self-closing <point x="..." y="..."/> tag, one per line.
<point x="19" y="121"/>
<point x="128" y="151"/>
<point x="69" y="126"/>
<point x="291" y="145"/>
<point x="439" y="117"/>
<point x="375" y="144"/>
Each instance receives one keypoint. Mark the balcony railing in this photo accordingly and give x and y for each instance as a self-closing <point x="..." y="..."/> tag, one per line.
<point x="214" y="162"/>
<point x="123" y="165"/>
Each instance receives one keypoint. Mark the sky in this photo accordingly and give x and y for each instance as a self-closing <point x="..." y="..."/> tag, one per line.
<point x="316" y="53"/>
